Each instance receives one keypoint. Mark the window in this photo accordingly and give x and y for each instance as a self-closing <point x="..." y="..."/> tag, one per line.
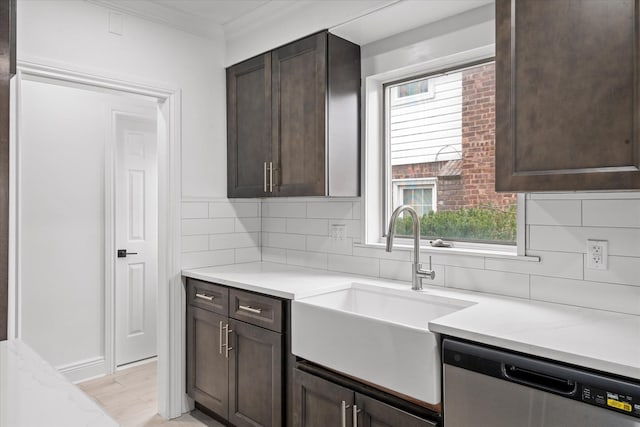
<point x="418" y="193"/>
<point x="439" y="155"/>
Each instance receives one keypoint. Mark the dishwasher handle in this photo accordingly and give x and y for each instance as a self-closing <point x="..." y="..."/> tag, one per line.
<point x="531" y="378"/>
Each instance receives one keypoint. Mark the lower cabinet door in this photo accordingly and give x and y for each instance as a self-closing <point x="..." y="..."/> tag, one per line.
<point x="255" y="376"/>
<point x="373" y="413"/>
<point x="320" y="403"/>
<point x="207" y="365"/>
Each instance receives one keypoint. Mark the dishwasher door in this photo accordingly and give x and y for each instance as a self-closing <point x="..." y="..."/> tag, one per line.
<point x="492" y="388"/>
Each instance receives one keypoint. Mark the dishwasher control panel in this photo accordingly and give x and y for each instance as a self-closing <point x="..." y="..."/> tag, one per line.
<point x="625" y="403"/>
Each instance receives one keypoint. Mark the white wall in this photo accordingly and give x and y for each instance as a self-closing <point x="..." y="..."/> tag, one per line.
<point x="64" y="132"/>
<point x="73" y="34"/>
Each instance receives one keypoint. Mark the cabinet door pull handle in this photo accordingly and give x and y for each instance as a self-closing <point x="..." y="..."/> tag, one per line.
<point x="265" y="177"/>
<point x="226" y="343"/>
<point x="250" y="309"/>
<point x="205" y="297"/>
<point x="355" y="415"/>
<point x="270" y="177"/>
<point x="221" y="337"/>
<point x="344" y="414"/>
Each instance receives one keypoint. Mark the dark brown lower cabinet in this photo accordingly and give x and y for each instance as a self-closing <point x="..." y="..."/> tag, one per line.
<point x="321" y="403"/>
<point x="255" y="376"/>
<point x="207" y="367"/>
<point x="373" y="413"/>
<point x="236" y="368"/>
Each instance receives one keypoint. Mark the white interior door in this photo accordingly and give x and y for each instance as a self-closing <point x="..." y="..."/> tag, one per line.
<point x="137" y="234"/>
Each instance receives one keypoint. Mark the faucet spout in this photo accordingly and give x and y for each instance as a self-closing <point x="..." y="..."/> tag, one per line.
<point x="418" y="272"/>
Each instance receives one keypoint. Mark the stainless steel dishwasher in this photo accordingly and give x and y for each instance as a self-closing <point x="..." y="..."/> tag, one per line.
<point x="484" y="387"/>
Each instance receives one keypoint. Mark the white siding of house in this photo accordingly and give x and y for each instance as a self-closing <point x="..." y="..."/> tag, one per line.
<point x="428" y="128"/>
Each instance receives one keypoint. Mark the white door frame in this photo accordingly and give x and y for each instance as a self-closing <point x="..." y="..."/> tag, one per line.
<point x="171" y="296"/>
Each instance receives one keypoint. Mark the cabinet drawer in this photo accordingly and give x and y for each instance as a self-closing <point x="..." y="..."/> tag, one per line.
<point x="208" y="296"/>
<point x="256" y="309"/>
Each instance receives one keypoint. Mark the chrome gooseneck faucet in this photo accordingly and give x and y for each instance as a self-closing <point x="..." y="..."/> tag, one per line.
<point x="418" y="272"/>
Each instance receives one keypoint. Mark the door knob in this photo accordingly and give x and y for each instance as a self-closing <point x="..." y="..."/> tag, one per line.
<point x="122" y="253"/>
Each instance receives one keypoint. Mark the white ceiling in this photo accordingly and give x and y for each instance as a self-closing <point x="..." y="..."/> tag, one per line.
<point x="374" y="21"/>
<point x="220" y="12"/>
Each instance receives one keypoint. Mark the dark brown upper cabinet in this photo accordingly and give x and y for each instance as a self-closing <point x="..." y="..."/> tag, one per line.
<point x="567" y="95"/>
<point x="293" y="121"/>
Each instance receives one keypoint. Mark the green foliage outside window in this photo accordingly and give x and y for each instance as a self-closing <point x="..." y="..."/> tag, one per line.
<point x="488" y="223"/>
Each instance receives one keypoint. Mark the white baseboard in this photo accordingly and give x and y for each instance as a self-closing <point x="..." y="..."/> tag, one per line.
<point x="84" y="369"/>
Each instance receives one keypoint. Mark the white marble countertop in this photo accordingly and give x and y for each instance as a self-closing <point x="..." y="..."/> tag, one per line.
<point x="601" y="340"/>
<point x="34" y="394"/>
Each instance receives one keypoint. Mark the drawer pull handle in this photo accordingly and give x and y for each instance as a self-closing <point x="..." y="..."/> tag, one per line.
<point x="205" y="297"/>
<point x="356" y="411"/>
<point x="251" y="309"/>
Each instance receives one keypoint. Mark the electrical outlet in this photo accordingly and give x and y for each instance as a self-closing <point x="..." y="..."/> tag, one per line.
<point x="338" y="231"/>
<point x="597" y="254"/>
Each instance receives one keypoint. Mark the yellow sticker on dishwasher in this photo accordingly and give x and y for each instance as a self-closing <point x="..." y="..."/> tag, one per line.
<point x="619" y="405"/>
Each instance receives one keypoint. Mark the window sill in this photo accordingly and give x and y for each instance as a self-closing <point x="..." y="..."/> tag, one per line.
<point x="484" y="252"/>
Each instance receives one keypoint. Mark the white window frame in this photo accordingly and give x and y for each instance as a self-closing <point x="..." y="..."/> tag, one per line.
<point x="374" y="170"/>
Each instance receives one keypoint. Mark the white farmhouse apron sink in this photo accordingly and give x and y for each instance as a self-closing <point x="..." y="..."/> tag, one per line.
<point x="376" y="334"/>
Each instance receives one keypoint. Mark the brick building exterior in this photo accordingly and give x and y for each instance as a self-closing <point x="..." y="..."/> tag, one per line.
<point x="468" y="182"/>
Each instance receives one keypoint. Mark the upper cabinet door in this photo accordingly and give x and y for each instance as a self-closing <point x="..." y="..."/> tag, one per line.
<point x="567" y="95"/>
<point x="299" y="80"/>
<point x="249" y="127"/>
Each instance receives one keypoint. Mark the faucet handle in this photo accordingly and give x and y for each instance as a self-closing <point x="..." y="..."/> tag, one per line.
<point x="430" y="273"/>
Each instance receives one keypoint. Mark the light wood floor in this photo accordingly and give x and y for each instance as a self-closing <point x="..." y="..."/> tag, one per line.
<point x="130" y="397"/>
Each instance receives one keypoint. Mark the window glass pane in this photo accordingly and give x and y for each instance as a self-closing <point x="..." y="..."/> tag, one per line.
<point x="441" y="150"/>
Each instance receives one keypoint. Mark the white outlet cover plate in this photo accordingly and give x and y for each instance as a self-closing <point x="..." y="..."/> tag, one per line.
<point x="597" y="254"/>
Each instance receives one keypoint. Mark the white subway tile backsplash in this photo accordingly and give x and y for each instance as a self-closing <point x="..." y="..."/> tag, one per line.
<point x="243" y="255"/>
<point x="297" y="231"/>
<point x="333" y="210"/>
<point x="274" y="255"/>
<point x="357" y="210"/>
<point x="192" y="227"/>
<point x="353" y="227"/>
<point x="329" y="245"/>
<point x="493" y="282"/>
<point x="354" y="265"/>
<point x="233" y="209"/>
<point x="307" y="259"/>
<point x="374" y="252"/>
<point x="207" y="259"/>
<point x="403" y="270"/>
<point x="396" y="270"/>
<point x="452" y="260"/>
<point x="611" y="213"/>
<point x="554" y="212"/>
<point x="234" y="240"/>
<point x="195" y="243"/>
<point x="621" y="270"/>
<point x="557" y="264"/>
<point x="622" y="241"/>
<point x="603" y="296"/>
<point x="286" y="241"/>
<point x="247" y="225"/>
<point x="192" y="210"/>
<point x="271" y="209"/>
<point x="274" y="225"/>
<point x="318" y="227"/>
